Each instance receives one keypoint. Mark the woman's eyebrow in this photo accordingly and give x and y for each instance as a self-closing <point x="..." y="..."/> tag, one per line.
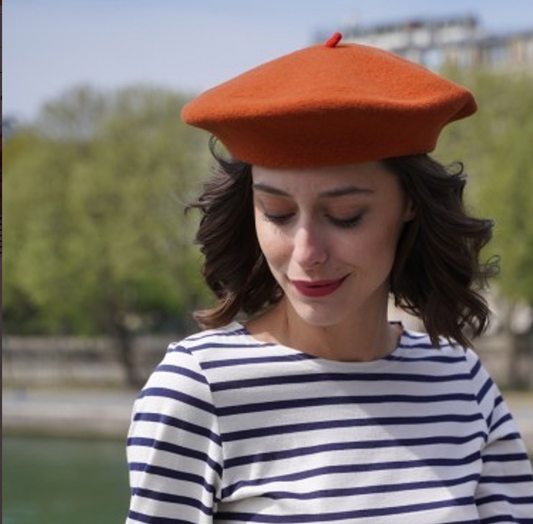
<point x="348" y="190"/>
<point x="330" y="193"/>
<point x="269" y="189"/>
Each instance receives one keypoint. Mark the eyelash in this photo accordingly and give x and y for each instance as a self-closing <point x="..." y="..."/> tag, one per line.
<point x="344" y="223"/>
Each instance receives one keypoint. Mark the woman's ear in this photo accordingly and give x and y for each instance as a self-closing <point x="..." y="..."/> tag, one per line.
<point x="410" y="211"/>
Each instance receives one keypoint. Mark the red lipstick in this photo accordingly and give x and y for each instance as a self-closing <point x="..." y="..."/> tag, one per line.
<point x="317" y="288"/>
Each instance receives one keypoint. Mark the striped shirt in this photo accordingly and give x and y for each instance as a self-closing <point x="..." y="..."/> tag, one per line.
<point x="230" y="430"/>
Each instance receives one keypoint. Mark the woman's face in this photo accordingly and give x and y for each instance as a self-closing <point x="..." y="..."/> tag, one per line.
<point x="329" y="235"/>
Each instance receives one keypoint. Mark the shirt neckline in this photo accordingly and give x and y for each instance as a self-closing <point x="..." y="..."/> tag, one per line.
<point x="391" y="358"/>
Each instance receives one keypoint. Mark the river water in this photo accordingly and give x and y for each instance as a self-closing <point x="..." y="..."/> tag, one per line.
<point x="56" y="481"/>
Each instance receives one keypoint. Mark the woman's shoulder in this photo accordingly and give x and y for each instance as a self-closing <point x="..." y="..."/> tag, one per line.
<point x="203" y="346"/>
<point x="421" y="340"/>
<point x="204" y="342"/>
<point x="183" y="372"/>
<point x="420" y="344"/>
<point x="201" y="339"/>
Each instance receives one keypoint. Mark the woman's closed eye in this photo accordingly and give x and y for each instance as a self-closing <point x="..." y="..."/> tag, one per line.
<point x="283" y="218"/>
<point x="345" y="222"/>
<point x="277" y="218"/>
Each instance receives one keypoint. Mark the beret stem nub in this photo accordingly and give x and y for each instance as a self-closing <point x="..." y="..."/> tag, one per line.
<point x="333" y="40"/>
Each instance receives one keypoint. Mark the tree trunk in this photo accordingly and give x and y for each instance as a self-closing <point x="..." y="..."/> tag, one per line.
<point x="521" y="363"/>
<point x="124" y="344"/>
<point x="520" y="325"/>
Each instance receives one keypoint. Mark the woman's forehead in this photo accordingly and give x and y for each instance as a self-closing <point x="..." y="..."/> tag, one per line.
<point x="331" y="181"/>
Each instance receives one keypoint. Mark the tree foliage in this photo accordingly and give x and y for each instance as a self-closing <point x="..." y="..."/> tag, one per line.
<point x="495" y="145"/>
<point x="94" y="192"/>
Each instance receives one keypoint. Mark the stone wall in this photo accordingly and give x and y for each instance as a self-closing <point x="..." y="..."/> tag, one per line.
<point x="70" y="361"/>
<point x="74" y="361"/>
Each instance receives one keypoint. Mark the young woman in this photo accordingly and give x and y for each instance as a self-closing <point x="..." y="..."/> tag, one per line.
<point x="301" y="402"/>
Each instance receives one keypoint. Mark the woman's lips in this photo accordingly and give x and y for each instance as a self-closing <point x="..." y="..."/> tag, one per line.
<point x="317" y="288"/>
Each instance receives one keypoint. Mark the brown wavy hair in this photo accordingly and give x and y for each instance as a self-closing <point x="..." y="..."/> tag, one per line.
<point x="437" y="274"/>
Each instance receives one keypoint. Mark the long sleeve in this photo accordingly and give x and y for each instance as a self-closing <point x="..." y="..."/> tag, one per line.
<point x="174" y="446"/>
<point x="505" y="488"/>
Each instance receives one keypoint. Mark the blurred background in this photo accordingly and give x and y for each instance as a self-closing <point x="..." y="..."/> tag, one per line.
<point x="100" y="272"/>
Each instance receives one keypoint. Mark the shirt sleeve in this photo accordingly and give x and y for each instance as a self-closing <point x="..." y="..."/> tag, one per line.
<point x="174" y="448"/>
<point x="505" y="489"/>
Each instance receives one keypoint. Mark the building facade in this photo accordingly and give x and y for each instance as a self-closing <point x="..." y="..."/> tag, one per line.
<point x="459" y="42"/>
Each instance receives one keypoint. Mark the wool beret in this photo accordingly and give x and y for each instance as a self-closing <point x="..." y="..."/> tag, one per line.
<point x="330" y="104"/>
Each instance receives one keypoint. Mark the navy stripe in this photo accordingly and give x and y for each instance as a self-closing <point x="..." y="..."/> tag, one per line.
<point x="404" y="341"/>
<point x="506" y="418"/>
<point x="413" y="335"/>
<point x="497" y="402"/>
<point x="504" y="498"/>
<point x="511" y="436"/>
<point x="345" y="446"/>
<point x="489" y="419"/>
<point x="335" y="377"/>
<point x="368" y="490"/>
<point x="179" y="424"/>
<point x="176" y="450"/>
<point x="475" y="521"/>
<point x="331" y="424"/>
<point x="330" y="517"/>
<point x="475" y="370"/>
<point x="443" y="359"/>
<point x="339" y="401"/>
<point x="229" y="345"/>
<point x="351" y="468"/>
<point x="509" y="457"/>
<point x="506" y="519"/>
<point x="304" y="356"/>
<point x="173" y="499"/>
<point x="507" y="479"/>
<point x="181" y="397"/>
<point x="501" y="518"/>
<point x="256" y="360"/>
<point x="217" y="334"/>
<point x="424" y="345"/>
<point x="151" y="469"/>
<point x="150" y="519"/>
<point x="178" y="370"/>
<point x="484" y="390"/>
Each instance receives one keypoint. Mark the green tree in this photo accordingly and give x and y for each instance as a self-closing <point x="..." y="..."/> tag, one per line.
<point x="96" y="240"/>
<point x="495" y="145"/>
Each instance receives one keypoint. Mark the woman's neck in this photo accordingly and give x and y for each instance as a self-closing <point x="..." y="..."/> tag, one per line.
<point x="364" y="338"/>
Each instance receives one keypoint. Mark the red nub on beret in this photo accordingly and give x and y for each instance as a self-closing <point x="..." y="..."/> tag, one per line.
<point x="330" y="104"/>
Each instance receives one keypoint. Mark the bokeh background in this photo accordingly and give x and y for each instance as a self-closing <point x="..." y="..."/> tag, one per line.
<point x="99" y="269"/>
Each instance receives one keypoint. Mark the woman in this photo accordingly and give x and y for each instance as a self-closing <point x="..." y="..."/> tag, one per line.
<point x="301" y="402"/>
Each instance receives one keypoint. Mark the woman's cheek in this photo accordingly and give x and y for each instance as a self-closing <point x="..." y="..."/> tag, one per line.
<point x="271" y="242"/>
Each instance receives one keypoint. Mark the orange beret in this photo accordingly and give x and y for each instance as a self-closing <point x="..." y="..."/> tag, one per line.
<point x="330" y="104"/>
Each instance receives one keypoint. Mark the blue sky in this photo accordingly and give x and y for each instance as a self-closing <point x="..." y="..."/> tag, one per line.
<point x="50" y="46"/>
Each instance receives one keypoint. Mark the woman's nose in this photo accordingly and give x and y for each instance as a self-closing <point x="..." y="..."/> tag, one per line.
<point x="309" y="247"/>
